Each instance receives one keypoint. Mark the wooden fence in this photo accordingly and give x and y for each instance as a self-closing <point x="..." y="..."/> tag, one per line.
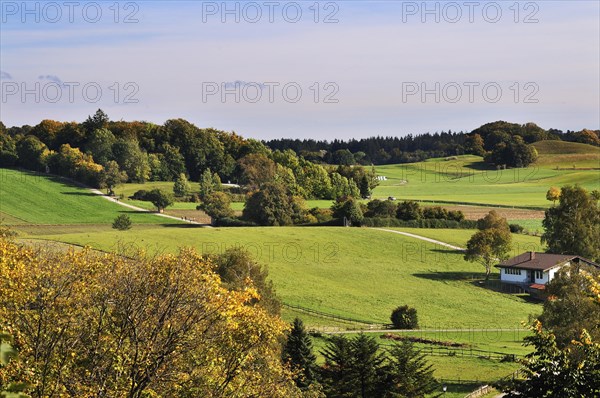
<point x="481" y="391"/>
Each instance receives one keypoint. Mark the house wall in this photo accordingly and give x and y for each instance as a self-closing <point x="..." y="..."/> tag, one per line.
<point x="513" y="278"/>
<point x="552" y="272"/>
<point x="545" y="278"/>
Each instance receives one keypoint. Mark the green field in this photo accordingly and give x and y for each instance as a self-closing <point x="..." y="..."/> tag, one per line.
<point x="466" y="179"/>
<point x="459" y="237"/>
<point x="355" y="273"/>
<point x="29" y="198"/>
<point x="351" y="272"/>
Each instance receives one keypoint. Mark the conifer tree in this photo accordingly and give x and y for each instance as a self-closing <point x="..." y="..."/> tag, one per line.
<point x="298" y="352"/>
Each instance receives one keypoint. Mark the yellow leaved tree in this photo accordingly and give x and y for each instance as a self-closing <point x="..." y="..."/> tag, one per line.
<point x="103" y="325"/>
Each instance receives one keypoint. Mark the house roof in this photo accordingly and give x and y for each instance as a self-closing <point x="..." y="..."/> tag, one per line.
<point x="541" y="261"/>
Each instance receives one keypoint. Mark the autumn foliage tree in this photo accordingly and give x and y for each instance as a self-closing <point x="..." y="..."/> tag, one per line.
<point x="103" y="325"/>
<point x="553" y="194"/>
<point x="554" y="372"/>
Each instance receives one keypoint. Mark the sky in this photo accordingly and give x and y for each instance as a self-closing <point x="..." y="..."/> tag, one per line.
<point x="304" y="69"/>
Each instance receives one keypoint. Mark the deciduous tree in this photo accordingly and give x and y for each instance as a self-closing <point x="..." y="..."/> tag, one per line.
<point x="273" y="204"/>
<point x="216" y="205"/>
<point x="559" y="373"/>
<point x="104" y="325"/>
<point x="112" y="176"/>
<point x="573" y="226"/>
<point x="491" y="244"/>
<point x="553" y="194"/>
<point x="160" y="199"/>
<point x="571" y="306"/>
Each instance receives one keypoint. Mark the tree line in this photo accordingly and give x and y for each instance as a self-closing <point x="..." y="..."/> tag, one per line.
<point x="504" y="144"/>
<point x="102" y="153"/>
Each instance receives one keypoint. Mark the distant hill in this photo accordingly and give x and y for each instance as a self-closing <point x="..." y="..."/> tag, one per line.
<point x="566" y="154"/>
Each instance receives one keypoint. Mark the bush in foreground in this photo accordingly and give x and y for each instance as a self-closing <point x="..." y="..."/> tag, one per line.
<point x="405" y="317"/>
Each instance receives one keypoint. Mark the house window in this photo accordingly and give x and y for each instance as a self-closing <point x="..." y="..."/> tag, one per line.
<point x="512" y="271"/>
<point x="539" y="274"/>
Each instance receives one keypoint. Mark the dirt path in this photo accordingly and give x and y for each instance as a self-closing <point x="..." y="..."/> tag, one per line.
<point x="437" y="242"/>
<point x="132" y="207"/>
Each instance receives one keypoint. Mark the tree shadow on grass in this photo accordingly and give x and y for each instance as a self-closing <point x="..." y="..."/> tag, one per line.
<point x="452" y="276"/>
<point x="185" y="226"/>
<point x="79" y="193"/>
<point x="446" y="250"/>
<point x="135" y="212"/>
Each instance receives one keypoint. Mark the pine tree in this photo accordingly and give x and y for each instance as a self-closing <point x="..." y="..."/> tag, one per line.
<point x="337" y="377"/>
<point x="365" y="189"/>
<point x="354" y="368"/>
<point x="298" y="352"/>
<point x="369" y="368"/>
<point x="409" y="373"/>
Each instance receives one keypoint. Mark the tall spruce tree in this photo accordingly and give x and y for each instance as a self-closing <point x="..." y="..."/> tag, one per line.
<point x="354" y="368"/>
<point x="410" y="375"/>
<point x="336" y="375"/>
<point x="298" y="352"/>
<point x="369" y="368"/>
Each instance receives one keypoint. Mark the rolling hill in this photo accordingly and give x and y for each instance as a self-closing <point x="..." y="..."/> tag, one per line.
<point x="467" y="180"/>
<point x="31" y="198"/>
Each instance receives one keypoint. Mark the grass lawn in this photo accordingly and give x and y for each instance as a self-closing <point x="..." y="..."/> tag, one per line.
<point x="459" y="237"/>
<point x="467" y="179"/>
<point x="352" y="272"/>
<point x="30" y="198"/>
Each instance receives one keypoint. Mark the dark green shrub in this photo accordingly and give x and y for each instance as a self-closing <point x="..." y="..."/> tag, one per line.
<point x="423" y="223"/>
<point x="233" y="222"/>
<point x="142" y="194"/>
<point x="322" y="215"/>
<point x="404" y="317"/>
<point x="516" y="228"/>
<point x="122" y="222"/>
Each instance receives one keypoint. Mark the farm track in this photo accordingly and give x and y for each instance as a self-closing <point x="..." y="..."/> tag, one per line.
<point x="132" y="207"/>
<point x="437" y="242"/>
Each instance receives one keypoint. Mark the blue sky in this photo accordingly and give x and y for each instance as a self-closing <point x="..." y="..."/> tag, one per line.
<point x="376" y="67"/>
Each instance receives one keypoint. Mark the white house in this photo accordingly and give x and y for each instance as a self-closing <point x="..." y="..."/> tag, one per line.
<point x="534" y="270"/>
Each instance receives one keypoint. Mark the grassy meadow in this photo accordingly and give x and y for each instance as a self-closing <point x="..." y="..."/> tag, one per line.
<point x="31" y="198"/>
<point x="466" y="179"/>
<point x="355" y="273"/>
<point x="351" y="272"/>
